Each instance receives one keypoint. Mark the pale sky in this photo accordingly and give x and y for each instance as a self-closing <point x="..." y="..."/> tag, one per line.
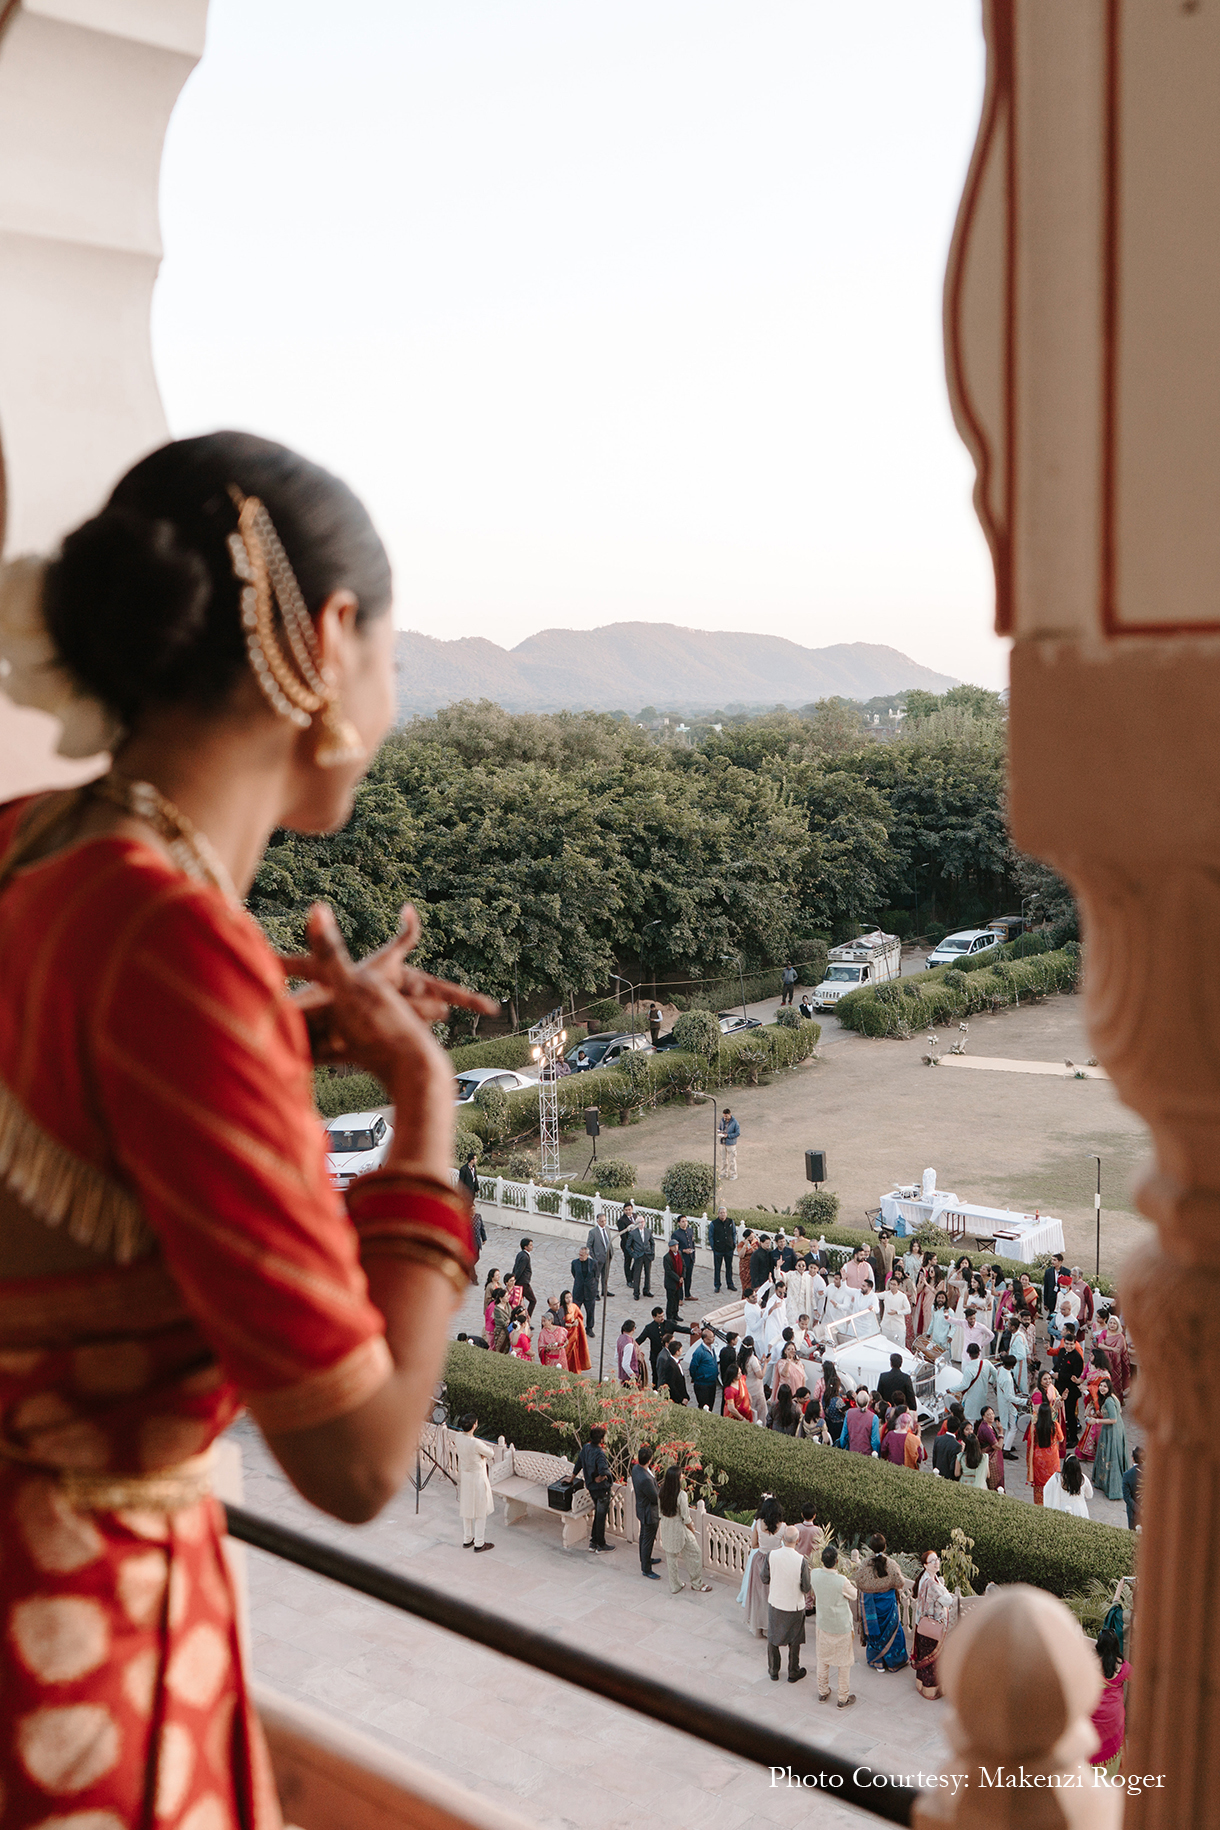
<point x="610" y="309"/>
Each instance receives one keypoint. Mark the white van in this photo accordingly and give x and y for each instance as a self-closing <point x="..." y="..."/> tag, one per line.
<point x="872" y="959"/>
<point x="954" y="947"/>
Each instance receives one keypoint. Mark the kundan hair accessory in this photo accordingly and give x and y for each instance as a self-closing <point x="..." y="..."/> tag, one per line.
<point x="290" y="672"/>
<point x="31" y="672"/>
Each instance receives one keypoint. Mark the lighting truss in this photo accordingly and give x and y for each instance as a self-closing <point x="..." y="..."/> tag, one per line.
<point x="548" y="1037"/>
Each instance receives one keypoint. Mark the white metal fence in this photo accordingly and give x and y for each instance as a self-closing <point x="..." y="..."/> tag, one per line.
<point x="591" y="1210"/>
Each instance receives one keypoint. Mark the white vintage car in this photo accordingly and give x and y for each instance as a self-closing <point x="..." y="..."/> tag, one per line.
<point x="861" y="1353"/>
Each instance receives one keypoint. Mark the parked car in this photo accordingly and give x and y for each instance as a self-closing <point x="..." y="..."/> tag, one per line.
<point x="1008" y="927"/>
<point x="732" y="1022"/>
<point x="955" y="947"/>
<point x="355" y="1143"/>
<point x="606" y="1048"/>
<point x="469" y="1083"/>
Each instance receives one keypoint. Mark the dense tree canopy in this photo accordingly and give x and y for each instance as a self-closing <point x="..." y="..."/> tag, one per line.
<point x="547" y="852"/>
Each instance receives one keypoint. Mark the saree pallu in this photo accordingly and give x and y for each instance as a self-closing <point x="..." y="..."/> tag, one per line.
<point x="927" y="1653"/>
<point x="576" y="1353"/>
<point x="1086" y="1448"/>
<point x="885" y="1645"/>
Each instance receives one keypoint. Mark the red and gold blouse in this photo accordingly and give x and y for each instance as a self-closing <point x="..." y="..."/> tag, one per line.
<point x="156" y="1103"/>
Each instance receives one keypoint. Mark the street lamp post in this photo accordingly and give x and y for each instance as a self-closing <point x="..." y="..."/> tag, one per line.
<point x="649" y="924"/>
<point x="715" y="1146"/>
<point x="631" y="988"/>
<point x="1097" y="1210"/>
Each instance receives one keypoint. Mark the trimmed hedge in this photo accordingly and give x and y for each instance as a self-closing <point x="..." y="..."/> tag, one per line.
<point x="949" y="993"/>
<point x="334" y="1094"/>
<point x="499" y="1052"/>
<point x="1013" y="1541"/>
<point x="654" y="1079"/>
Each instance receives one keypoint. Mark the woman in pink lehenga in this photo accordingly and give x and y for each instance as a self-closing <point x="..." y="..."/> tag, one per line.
<point x="1113" y="1342"/>
<point x="552" y="1341"/>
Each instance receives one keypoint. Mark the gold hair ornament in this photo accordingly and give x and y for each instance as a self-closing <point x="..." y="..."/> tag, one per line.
<point x="291" y="674"/>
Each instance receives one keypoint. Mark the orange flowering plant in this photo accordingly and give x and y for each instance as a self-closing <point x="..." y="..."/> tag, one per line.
<point x="631" y="1415"/>
<point x="702" y="1483"/>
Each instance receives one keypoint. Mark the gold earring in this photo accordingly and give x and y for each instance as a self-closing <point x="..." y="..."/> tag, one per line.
<point x="339" y="741"/>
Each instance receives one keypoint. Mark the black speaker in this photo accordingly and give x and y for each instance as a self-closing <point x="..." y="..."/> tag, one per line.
<point x="815" y="1165"/>
<point x="592" y="1127"/>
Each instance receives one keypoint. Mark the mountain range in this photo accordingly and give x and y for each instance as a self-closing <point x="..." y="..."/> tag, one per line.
<point x="624" y="666"/>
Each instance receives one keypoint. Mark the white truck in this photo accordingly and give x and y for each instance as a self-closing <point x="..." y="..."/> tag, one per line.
<point x="872" y="959"/>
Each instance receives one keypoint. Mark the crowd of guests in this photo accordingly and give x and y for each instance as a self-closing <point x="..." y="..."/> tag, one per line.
<point x="794" y="1575"/>
<point x="1045" y="1363"/>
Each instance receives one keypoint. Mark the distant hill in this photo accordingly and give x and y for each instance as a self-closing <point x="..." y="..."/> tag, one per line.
<point x="624" y="666"/>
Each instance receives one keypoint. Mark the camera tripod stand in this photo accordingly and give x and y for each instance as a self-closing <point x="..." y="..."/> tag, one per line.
<point x="419" y="1480"/>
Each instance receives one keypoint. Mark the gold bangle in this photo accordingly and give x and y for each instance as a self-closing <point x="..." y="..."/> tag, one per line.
<point x="417" y="1251"/>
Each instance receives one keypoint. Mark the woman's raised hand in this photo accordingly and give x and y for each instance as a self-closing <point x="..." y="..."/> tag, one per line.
<point x="340" y="998"/>
<point x="377" y="1013"/>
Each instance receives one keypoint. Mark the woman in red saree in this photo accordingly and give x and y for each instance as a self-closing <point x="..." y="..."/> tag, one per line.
<point x="171" y="1249"/>
<point x="576" y="1353"/>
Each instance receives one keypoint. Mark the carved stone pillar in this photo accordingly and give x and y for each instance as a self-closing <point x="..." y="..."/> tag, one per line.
<point x="1083" y="346"/>
<point x="1023" y="1683"/>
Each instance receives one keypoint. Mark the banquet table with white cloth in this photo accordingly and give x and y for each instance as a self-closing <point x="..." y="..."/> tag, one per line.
<point x="1024" y="1237"/>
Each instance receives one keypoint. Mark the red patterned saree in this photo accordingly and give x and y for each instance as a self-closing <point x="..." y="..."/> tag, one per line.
<point x="155" y="1105"/>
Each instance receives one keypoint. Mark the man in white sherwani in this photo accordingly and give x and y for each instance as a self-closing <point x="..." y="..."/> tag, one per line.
<point x="475" y="1498"/>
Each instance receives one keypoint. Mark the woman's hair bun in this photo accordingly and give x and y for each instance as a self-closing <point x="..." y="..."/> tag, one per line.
<point x="125" y="604"/>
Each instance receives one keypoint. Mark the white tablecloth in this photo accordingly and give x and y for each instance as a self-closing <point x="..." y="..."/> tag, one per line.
<point x="1017" y="1235"/>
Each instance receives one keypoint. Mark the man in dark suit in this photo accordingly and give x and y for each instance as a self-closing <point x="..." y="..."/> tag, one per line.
<point x="1050" y="1283"/>
<point x="652" y="1334"/>
<point x="468" y="1176"/>
<point x="724" y="1244"/>
<point x="586" y="1286"/>
<point x="669" y="1371"/>
<point x="896" y="1383"/>
<point x="601" y="1250"/>
<point x="624" y="1223"/>
<point x="762" y="1264"/>
<point x="523" y="1270"/>
<point x="641" y="1250"/>
<point x="592" y="1464"/>
<point x="647" y="1508"/>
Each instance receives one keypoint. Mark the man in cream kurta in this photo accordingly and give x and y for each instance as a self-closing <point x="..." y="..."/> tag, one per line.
<point x="836" y="1636"/>
<point x="475" y="1498"/>
<point x="786" y="1576"/>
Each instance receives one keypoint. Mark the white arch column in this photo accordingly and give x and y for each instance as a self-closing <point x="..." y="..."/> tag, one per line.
<point x="86" y="92"/>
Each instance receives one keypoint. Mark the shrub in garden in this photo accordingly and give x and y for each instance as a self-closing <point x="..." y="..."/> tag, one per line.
<point x="698" y="1033"/>
<point x="614" y="1172"/>
<point x="678" y="1071"/>
<point x="518" y="1166"/>
<point x="1012" y="1542"/>
<point x="464" y="1143"/>
<point x="334" y="1094"/>
<point x="687" y="1187"/>
<point x="605" y="1013"/>
<point x="491" y="1102"/>
<point x="819" y="1208"/>
<point x="788" y="1018"/>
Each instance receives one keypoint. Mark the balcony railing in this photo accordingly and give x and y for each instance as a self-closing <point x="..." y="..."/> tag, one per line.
<point x="848" y="1781"/>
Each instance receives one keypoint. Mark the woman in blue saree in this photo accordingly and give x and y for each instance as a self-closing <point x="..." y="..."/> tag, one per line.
<point x="879" y="1582"/>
